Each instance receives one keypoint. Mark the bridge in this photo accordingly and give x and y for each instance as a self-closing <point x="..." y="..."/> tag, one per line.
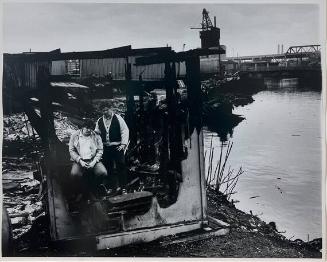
<point x="296" y="58"/>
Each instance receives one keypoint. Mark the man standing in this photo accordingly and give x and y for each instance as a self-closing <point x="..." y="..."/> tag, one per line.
<point x="86" y="149"/>
<point x="115" y="136"/>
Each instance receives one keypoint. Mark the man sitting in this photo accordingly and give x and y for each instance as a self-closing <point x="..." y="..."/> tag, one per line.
<point x="86" y="149"/>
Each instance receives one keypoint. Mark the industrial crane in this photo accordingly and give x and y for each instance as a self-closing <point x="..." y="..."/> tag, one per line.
<point x="210" y="35"/>
<point x="206" y="21"/>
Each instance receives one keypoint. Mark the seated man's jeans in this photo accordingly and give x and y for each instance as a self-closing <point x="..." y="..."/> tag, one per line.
<point x="85" y="180"/>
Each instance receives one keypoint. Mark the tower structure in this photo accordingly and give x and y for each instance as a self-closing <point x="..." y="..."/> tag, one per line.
<point x="210" y="33"/>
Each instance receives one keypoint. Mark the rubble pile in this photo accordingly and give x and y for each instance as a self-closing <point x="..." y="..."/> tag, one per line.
<point x="64" y="127"/>
<point x="17" y="127"/>
<point x="210" y="84"/>
<point x="118" y="104"/>
<point x="21" y="195"/>
<point x="22" y="200"/>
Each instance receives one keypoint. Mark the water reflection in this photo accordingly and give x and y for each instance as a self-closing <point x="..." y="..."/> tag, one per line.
<point x="223" y="125"/>
<point x="281" y="83"/>
<point x="294" y="84"/>
<point x="279" y="147"/>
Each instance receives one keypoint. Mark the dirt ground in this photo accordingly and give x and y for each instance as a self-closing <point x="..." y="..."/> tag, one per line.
<point x="236" y="244"/>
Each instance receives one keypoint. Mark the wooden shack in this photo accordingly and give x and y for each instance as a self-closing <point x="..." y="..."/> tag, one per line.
<point x="176" y="200"/>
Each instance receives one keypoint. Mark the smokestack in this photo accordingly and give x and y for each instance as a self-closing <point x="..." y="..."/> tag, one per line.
<point x="282" y="49"/>
<point x="278" y="50"/>
<point x="214" y="21"/>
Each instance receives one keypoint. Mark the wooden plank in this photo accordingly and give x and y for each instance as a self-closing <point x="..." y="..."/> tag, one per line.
<point x="51" y="210"/>
<point x="217" y="222"/>
<point x="202" y="176"/>
<point x="198" y="237"/>
<point x="141" y="206"/>
<point x="143" y="235"/>
<point x="10" y="186"/>
<point x="68" y="85"/>
<point x="122" y="199"/>
<point x="62" y="225"/>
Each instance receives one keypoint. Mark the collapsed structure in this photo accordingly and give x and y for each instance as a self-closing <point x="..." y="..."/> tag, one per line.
<point x="162" y="94"/>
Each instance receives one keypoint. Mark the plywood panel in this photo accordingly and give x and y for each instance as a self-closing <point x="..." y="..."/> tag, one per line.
<point x="58" y="67"/>
<point x="102" y="67"/>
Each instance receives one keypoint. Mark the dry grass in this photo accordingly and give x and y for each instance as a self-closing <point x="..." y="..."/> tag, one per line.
<point x="217" y="176"/>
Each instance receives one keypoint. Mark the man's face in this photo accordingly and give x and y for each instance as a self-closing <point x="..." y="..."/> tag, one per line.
<point x="107" y="112"/>
<point x="86" y="131"/>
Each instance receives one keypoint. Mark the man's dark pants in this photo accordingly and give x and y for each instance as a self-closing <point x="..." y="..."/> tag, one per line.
<point x="111" y="157"/>
<point x="85" y="180"/>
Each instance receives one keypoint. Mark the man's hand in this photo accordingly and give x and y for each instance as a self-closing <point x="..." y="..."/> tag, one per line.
<point x="83" y="163"/>
<point x="121" y="147"/>
<point x="91" y="164"/>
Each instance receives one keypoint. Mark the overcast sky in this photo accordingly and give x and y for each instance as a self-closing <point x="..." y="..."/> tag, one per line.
<point x="246" y="29"/>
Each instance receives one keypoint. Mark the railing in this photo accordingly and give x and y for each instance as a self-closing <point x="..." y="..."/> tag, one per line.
<point x="283" y="68"/>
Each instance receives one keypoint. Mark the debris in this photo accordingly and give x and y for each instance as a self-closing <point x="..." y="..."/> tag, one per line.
<point x="198" y="237"/>
<point x="21" y="208"/>
<point x="9" y="186"/>
<point x="18" y="221"/>
<point x="15" y="127"/>
<point x="18" y="175"/>
<point x="24" y="214"/>
<point x="217" y="223"/>
<point x="64" y="127"/>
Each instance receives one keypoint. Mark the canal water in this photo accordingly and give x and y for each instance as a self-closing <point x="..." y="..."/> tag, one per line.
<point x="279" y="148"/>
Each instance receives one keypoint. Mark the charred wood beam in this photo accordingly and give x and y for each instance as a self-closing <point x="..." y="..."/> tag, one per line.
<point x="142" y="121"/>
<point x="43" y="123"/>
<point x="150" y="51"/>
<point x="130" y="104"/>
<point x="171" y="90"/>
<point x="43" y="84"/>
<point x="193" y="83"/>
<point x="177" y="57"/>
<point x="35" y="120"/>
<point x="120" y="52"/>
